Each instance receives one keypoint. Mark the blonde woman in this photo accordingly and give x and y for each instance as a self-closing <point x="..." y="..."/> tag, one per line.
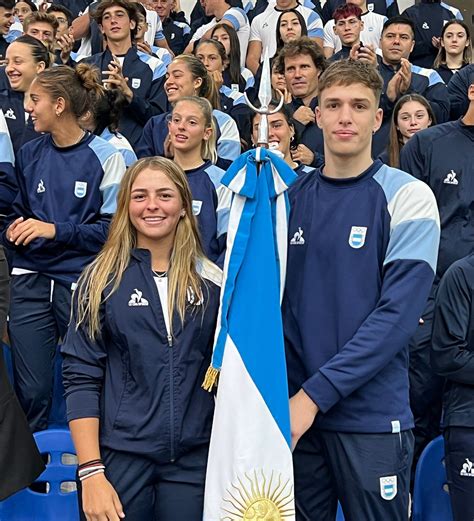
<point x="192" y="145"/>
<point x="136" y="354"/>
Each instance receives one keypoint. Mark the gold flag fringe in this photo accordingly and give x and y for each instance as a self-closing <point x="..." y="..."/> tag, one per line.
<point x="210" y="380"/>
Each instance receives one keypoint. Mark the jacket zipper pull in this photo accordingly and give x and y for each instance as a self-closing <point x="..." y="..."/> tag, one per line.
<point x="170" y="341"/>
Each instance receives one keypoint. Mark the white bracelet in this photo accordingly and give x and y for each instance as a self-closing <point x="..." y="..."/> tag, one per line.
<point x="87" y="470"/>
<point x="99" y="471"/>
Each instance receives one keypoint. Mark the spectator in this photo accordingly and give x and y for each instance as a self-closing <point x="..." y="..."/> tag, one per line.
<point x="411" y="114"/>
<point x="139" y="76"/>
<point x="175" y="28"/>
<point x="290" y="26"/>
<point x="452" y="357"/>
<point x="192" y="146"/>
<point x="428" y="18"/>
<point x="363" y="239"/>
<point x="42" y="26"/>
<point x="455" y="50"/>
<point x="223" y="13"/>
<point x="132" y="460"/>
<point x="370" y="34"/>
<point x="26" y="58"/>
<point x="441" y="156"/>
<point x="23" y="8"/>
<point x="263" y="30"/>
<point x="187" y="76"/>
<point x="377" y="6"/>
<point x="457" y="89"/>
<point x="401" y="77"/>
<point x="235" y="76"/>
<point x="6" y="20"/>
<point x="53" y="242"/>
<point x="302" y="62"/>
<point x="159" y="52"/>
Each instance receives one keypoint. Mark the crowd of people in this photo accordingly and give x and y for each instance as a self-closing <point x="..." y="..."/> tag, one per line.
<point x="118" y="120"/>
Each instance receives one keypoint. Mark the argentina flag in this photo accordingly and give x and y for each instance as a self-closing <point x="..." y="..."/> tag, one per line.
<point x="250" y="471"/>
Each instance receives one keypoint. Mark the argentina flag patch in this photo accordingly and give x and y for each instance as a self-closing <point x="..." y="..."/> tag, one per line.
<point x="357" y="236"/>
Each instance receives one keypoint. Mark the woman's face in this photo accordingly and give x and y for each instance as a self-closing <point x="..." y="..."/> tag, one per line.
<point x="455" y="40"/>
<point x="155" y="208"/>
<point x="42" y="109"/>
<point x="187" y="127"/>
<point x="22" y="10"/>
<point x="278" y="80"/>
<point x="210" y="57"/>
<point x="412" y="118"/>
<point x="290" y="27"/>
<point x="21" y="68"/>
<point x="180" y="82"/>
<point x="280" y="132"/>
<point x="221" y="36"/>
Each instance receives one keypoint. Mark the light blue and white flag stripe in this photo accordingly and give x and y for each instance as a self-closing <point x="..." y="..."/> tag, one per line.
<point x="250" y="464"/>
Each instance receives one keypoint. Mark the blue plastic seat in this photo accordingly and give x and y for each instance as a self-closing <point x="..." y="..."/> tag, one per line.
<point x="54" y="505"/>
<point x="430" y="495"/>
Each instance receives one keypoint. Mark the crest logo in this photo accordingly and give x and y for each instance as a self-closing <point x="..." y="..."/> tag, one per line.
<point x="388" y="487"/>
<point x="136" y="82"/>
<point x="197" y="205"/>
<point x="80" y="189"/>
<point x="357" y="237"/>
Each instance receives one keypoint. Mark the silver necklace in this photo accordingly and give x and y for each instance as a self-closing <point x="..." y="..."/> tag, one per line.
<point x="159" y="274"/>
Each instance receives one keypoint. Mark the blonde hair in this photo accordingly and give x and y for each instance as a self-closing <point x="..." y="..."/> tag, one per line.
<point x="105" y="273"/>
<point x="208" y="147"/>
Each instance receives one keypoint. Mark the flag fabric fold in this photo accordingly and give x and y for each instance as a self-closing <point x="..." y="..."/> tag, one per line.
<point x="250" y="472"/>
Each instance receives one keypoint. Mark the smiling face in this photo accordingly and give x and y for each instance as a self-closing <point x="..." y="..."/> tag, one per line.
<point x="396" y="43"/>
<point x="42" y="109"/>
<point x="412" y="118"/>
<point x="180" y="82"/>
<point x="348" y="115"/>
<point x="6" y="20"/>
<point x="187" y="128"/>
<point x="280" y="132"/>
<point x="21" y="68"/>
<point x="42" y="31"/>
<point x="290" y="27"/>
<point x="116" y="24"/>
<point x="455" y="40"/>
<point x="155" y="208"/>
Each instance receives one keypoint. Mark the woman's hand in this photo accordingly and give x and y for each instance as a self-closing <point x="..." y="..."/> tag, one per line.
<point x="23" y="232"/>
<point x="100" y="502"/>
<point x="218" y="79"/>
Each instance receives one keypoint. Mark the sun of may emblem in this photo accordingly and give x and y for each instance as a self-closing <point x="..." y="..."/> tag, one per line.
<point x="259" y="498"/>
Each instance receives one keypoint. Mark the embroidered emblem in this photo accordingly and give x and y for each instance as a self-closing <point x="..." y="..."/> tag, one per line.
<point x="137" y="299"/>
<point x="80" y="189"/>
<point x="357" y="236"/>
<point x="388" y="487"/>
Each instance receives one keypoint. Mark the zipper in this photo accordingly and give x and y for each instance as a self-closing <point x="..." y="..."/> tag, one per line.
<point x="171" y="383"/>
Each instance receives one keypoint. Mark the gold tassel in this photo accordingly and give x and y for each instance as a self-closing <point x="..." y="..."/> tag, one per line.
<point x="210" y="380"/>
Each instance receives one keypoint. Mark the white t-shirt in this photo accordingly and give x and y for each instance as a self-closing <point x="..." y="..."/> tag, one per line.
<point x="373" y="24"/>
<point x="263" y="28"/>
<point x="162" y="286"/>
<point x="155" y="28"/>
<point x="239" y="21"/>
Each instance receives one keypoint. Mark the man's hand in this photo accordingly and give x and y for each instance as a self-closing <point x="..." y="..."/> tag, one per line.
<point x="116" y="79"/>
<point x="302" y="154"/>
<point x="400" y="82"/>
<point x="66" y="43"/>
<point x="23" y="232"/>
<point x="303" y="411"/>
<point x="304" y="115"/>
<point x="364" y="54"/>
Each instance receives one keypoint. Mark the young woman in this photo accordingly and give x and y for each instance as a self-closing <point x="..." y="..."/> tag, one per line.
<point x="192" y="144"/>
<point x="102" y="119"/>
<point x="23" y="8"/>
<point x="25" y="59"/>
<point x="235" y="77"/>
<point x="290" y="26"/>
<point x="136" y="353"/>
<point x="67" y="185"/>
<point x="411" y="114"/>
<point x="455" y="50"/>
<point x="187" y="76"/>
<point x="281" y="137"/>
<point x="212" y="54"/>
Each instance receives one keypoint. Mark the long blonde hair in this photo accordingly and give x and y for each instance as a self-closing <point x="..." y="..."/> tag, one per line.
<point x="106" y="272"/>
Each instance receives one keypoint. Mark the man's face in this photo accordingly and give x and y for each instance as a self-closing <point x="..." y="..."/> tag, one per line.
<point x="6" y="20"/>
<point x="396" y="43"/>
<point x="348" y="115"/>
<point x="63" y="24"/>
<point x="209" y="7"/>
<point x="116" y="24"/>
<point x="301" y="76"/>
<point x="348" y="30"/>
<point x="42" y="31"/>
<point x="163" y="8"/>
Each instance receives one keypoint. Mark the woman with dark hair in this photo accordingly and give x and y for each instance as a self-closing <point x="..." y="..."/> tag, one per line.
<point x="67" y="185"/>
<point x="411" y="114"/>
<point x="455" y="51"/>
<point x="25" y="58"/>
<point x="290" y="26"/>
<point x="136" y="354"/>
<point x="187" y="76"/>
<point x="23" y="8"/>
<point x="235" y="77"/>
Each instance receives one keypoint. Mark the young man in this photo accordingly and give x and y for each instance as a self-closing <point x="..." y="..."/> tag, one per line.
<point x="363" y="240"/>
<point x="41" y="26"/>
<point x="441" y="156"/>
<point x="301" y="62"/>
<point x="370" y="34"/>
<point x="138" y="75"/>
<point x="223" y="13"/>
<point x="175" y="28"/>
<point x="6" y="21"/>
<point x="401" y="77"/>
<point x="263" y="30"/>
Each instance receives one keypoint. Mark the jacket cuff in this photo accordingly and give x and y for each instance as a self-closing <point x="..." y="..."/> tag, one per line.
<point x="321" y="391"/>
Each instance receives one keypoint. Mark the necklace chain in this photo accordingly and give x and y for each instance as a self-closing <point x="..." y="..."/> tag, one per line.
<point x="160" y="275"/>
